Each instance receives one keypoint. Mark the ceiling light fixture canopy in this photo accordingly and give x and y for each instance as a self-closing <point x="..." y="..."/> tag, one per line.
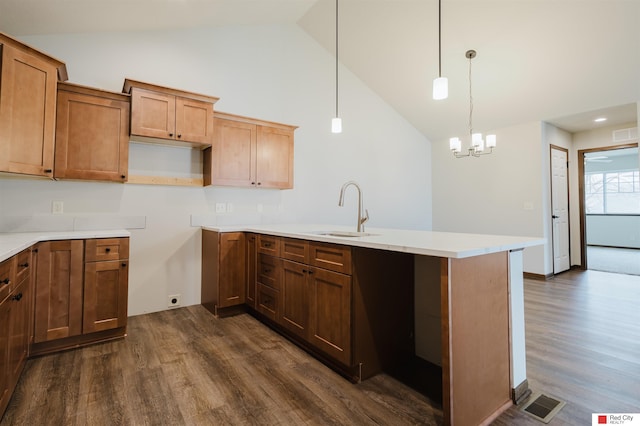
<point x="478" y="145"/>
<point x="336" y="122"/>
<point x="440" y="84"/>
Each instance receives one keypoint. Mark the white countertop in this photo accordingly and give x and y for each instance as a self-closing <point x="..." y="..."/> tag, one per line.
<point x="441" y="244"/>
<point x="14" y="243"/>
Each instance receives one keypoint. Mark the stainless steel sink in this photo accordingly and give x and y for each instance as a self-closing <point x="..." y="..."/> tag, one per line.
<point x="345" y="234"/>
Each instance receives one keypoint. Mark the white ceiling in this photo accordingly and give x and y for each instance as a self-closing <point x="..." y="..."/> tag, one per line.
<point x="562" y="61"/>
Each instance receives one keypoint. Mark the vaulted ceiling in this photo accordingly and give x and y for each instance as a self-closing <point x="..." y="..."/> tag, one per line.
<point x="563" y="61"/>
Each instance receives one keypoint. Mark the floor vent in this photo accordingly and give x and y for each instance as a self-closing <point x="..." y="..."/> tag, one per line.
<point x="542" y="407"/>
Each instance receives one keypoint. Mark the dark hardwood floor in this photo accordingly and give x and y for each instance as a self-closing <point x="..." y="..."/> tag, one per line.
<point x="185" y="367"/>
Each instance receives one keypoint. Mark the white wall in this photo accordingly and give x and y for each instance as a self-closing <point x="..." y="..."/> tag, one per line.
<point x="276" y="73"/>
<point x="503" y="193"/>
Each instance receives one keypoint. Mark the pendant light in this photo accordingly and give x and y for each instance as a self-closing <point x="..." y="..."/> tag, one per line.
<point x="440" y="84"/>
<point x="336" y="122"/>
<point x="478" y="145"/>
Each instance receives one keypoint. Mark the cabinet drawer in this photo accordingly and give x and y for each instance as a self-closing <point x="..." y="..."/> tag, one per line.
<point x="101" y="249"/>
<point x="267" y="301"/>
<point x="296" y="250"/>
<point x="269" y="244"/>
<point x="6" y="278"/>
<point x="268" y="271"/>
<point x="23" y="265"/>
<point x="333" y="257"/>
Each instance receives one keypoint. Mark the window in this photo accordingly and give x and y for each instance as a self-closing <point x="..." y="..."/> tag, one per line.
<point x="612" y="192"/>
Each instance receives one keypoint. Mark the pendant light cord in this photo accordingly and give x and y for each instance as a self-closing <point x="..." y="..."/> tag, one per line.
<point x="439" y="38"/>
<point x="470" y="100"/>
<point x="336" y="58"/>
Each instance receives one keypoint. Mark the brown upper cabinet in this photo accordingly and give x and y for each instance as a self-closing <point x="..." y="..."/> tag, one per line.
<point x="249" y="152"/>
<point x="27" y="108"/>
<point x="170" y="116"/>
<point x="92" y="134"/>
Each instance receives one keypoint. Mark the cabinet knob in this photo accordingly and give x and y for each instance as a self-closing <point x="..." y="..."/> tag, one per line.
<point x="259" y="183"/>
<point x="179" y="135"/>
<point x="123" y="176"/>
<point x="5" y="281"/>
<point x="170" y="134"/>
<point x="24" y="265"/>
<point x="253" y="183"/>
<point x="124" y="265"/>
<point x="17" y="297"/>
<point x="267" y="244"/>
<point x="267" y="270"/>
<point x="107" y="249"/>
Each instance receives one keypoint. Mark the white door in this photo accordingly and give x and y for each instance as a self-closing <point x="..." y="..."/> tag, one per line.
<point x="560" y="209"/>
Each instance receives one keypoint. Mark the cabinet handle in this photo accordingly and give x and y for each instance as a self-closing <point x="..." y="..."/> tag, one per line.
<point x="24" y="265"/>
<point x="310" y="272"/>
<point x="17" y="297"/>
<point x="267" y="244"/>
<point x="48" y="170"/>
<point x="5" y="281"/>
<point x="253" y="183"/>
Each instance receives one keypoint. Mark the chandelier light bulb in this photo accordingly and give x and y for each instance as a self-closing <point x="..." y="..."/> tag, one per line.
<point x="440" y="88"/>
<point x="336" y="125"/>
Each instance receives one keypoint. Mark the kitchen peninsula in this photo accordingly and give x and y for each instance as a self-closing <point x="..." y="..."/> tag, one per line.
<point x="480" y="283"/>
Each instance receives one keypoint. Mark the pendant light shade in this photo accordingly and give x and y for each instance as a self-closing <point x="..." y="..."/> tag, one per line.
<point x="336" y="125"/>
<point x="440" y="88"/>
<point x="440" y="84"/>
<point x="336" y="122"/>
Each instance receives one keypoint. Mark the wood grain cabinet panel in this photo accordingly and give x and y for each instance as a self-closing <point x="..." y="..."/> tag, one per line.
<point x="250" y="152"/>
<point x="223" y="270"/>
<point x="92" y="134"/>
<point x="105" y="295"/>
<point x="175" y="116"/>
<point x="14" y="333"/>
<point x="59" y="282"/>
<point x="295" y="305"/>
<point x="251" y="268"/>
<point x="27" y="108"/>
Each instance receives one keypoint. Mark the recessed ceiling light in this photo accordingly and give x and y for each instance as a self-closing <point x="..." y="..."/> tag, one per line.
<point x="600" y="119"/>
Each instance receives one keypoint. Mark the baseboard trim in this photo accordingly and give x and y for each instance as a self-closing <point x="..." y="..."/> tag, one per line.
<point x="538" y="277"/>
<point x="520" y="393"/>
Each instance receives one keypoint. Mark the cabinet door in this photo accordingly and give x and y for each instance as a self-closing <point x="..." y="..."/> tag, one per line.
<point x="233" y="154"/>
<point x="58" y="305"/>
<point x="6" y="309"/>
<point x="294" y="296"/>
<point x="105" y="295"/>
<point x="194" y="121"/>
<point x="330" y="313"/>
<point x="274" y="158"/>
<point x="27" y="113"/>
<point x="19" y="332"/>
<point x="92" y="138"/>
<point x="252" y="277"/>
<point x="153" y="114"/>
<point x="232" y="269"/>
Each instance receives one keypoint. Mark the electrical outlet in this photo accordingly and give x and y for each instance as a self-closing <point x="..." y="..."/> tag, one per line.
<point x="57" y="207"/>
<point x="221" y="208"/>
<point x="173" y="300"/>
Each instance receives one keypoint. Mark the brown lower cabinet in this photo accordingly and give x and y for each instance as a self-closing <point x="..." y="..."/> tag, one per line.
<point x="320" y="295"/>
<point x="15" y="311"/>
<point x="81" y="293"/>
<point x="223" y="271"/>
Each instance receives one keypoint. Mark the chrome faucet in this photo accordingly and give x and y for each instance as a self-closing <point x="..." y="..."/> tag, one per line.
<point x="361" y="219"/>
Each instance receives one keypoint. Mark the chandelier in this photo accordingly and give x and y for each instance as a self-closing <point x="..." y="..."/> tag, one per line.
<point x="478" y="145"/>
